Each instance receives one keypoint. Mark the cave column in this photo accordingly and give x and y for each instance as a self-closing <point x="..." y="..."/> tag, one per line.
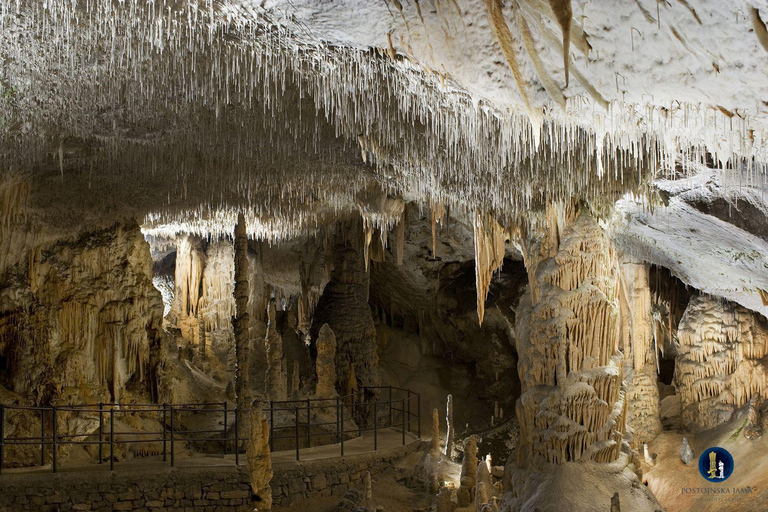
<point x="241" y="321"/>
<point x="572" y="405"/>
<point x="638" y="345"/>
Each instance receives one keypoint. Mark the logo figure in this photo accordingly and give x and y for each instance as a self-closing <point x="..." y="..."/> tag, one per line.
<point x="716" y="464"/>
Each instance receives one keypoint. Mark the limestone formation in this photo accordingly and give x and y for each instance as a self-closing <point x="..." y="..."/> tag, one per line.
<point x="447" y="500"/>
<point x="295" y="382"/>
<point x="241" y="320"/>
<point x="368" y="490"/>
<point x="82" y="324"/>
<point x="483" y="485"/>
<point x="490" y="241"/>
<point x="325" y="364"/>
<point x="449" y="431"/>
<point x="615" y="503"/>
<point x="259" y="460"/>
<point x="276" y="374"/>
<point x="686" y="453"/>
<point x="190" y="262"/>
<point x="435" y="449"/>
<point x="754" y="428"/>
<point x="573" y="403"/>
<point x="344" y="307"/>
<point x="719" y="366"/>
<point x="468" y="471"/>
<point x="639" y="344"/>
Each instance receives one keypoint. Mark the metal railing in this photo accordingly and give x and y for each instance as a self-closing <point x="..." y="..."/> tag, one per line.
<point x="399" y="410"/>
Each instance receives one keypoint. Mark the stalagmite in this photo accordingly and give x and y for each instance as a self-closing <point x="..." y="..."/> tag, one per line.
<point x="325" y="363"/>
<point x="468" y="471"/>
<point x="754" y="428"/>
<point x="343" y="306"/>
<point x="368" y="490"/>
<point x="615" y="503"/>
<point x="573" y="404"/>
<point x="276" y="378"/>
<point x="241" y="320"/>
<point x="295" y="384"/>
<point x="686" y="453"/>
<point x="259" y="460"/>
<point x="449" y="432"/>
<point x="435" y="449"/>
<point x="447" y="500"/>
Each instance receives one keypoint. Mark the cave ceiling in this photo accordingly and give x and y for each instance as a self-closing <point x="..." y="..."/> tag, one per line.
<point x="183" y="113"/>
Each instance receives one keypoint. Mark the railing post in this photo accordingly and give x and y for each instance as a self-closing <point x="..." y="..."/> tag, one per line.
<point x="237" y="436"/>
<point x="271" y="426"/>
<point x="165" y="430"/>
<point x="418" y="412"/>
<point x="224" y="429"/>
<point x="2" y="436"/>
<point x="403" y="409"/>
<point x="391" y="422"/>
<point x="42" y="437"/>
<point x="173" y="451"/>
<point x="101" y="430"/>
<point x="409" y="410"/>
<point x="375" y="425"/>
<point x="309" y="425"/>
<point x="338" y="429"/>
<point x="296" y="431"/>
<point x="111" y="437"/>
<point x="341" y="422"/>
<point x="54" y="439"/>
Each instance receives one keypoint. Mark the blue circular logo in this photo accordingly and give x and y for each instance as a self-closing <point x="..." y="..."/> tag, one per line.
<point x="716" y="464"/>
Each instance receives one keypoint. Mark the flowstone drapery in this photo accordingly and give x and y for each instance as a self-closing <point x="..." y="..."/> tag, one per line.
<point x="719" y="366"/>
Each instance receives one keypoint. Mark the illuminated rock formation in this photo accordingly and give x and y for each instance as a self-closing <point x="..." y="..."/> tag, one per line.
<point x="82" y="325"/>
<point x="573" y="404"/>
<point x="259" y="460"/>
<point x="325" y="364"/>
<point x="190" y="262"/>
<point x="719" y="365"/>
<point x="638" y="345"/>
<point x="343" y="306"/>
<point x="276" y="372"/>
<point x="241" y="320"/>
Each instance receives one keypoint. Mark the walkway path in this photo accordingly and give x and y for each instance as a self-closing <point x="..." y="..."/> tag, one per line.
<point x="387" y="439"/>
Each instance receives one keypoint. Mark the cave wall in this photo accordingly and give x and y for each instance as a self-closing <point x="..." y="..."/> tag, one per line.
<point x="84" y="318"/>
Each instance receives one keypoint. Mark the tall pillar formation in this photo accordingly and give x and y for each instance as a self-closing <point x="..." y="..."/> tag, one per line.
<point x="573" y="402"/>
<point x="344" y="307"/>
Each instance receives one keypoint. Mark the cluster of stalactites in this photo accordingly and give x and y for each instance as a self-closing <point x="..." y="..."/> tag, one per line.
<point x="490" y="246"/>
<point x="202" y="77"/>
<point x="718" y="367"/>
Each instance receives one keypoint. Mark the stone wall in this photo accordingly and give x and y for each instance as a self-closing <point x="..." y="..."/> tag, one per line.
<point x="151" y="487"/>
<point x="300" y="481"/>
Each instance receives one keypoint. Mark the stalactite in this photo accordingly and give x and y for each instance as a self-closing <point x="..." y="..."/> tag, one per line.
<point x="490" y="240"/>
